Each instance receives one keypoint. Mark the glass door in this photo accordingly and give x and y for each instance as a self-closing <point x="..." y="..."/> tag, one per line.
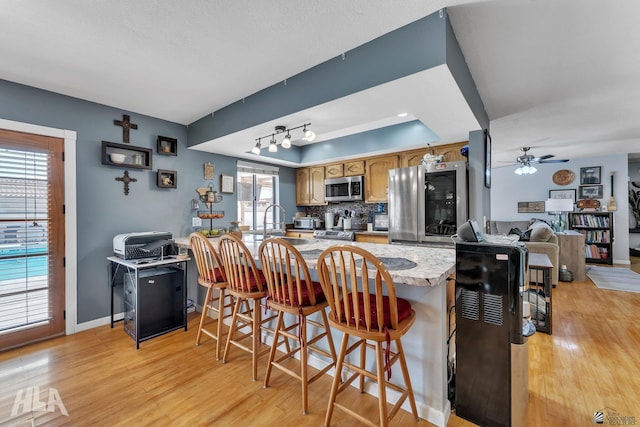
<point x="31" y="238"/>
<point x="440" y="203"/>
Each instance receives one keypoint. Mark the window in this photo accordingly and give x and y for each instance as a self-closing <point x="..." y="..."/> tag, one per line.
<point x="257" y="189"/>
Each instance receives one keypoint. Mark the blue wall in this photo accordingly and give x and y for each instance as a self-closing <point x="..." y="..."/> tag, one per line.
<point x="103" y="209"/>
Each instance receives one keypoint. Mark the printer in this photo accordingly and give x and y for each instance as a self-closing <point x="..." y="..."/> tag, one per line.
<point x="145" y="244"/>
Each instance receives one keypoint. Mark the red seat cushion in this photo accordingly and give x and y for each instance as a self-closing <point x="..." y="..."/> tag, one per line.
<point x="253" y="285"/>
<point x="404" y="310"/>
<point x="218" y="275"/>
<point x="317" y="291"/>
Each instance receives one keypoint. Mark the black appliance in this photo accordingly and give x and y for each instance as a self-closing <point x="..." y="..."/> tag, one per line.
<point x="345" y="189"/>
<point x="491" y="382"/>
<point x="155" y="302"/>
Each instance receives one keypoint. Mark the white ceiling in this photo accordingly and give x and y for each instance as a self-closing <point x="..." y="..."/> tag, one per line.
<point x="560" y="76"/>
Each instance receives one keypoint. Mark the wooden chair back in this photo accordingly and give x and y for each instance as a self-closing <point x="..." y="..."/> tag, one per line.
<point x="241" y="271"/>
<point x="347" y="294"/>
<point x="287" y="275"/>
<point x="210" y="271"/>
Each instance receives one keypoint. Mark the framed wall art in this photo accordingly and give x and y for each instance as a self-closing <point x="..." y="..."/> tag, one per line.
<point x="530" y="207"/>
<point x="590" y="175"/>
<point x="590" y="192"/>
<point x="226" y="183"/>
<point x="563" y="194"/>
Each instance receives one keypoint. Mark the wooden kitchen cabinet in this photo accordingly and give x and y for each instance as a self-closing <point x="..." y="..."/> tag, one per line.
<point x="376" y="178"/>
<point x="335" y="170"/>
<point x="411" y="158"/>
<point x="310" y="186"/>
<point x="450" y="153"/>
<point x="372" y="238"/>
<point x="354" y="168"/>
<point x="300" y="234"/>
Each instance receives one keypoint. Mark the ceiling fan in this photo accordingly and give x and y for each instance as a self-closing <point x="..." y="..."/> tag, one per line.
<point x="526" y="161"/>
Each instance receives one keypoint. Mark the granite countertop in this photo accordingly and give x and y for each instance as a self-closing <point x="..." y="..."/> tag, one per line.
<point x="432" y="265"/>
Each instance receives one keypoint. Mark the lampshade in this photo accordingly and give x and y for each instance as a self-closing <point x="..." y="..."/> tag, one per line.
<point x="525" y="170"/>
<point x="273" y="148"/>
<point x="256" y="148"/>
<point x="558" y="205"/>
<point x="286" y="142"/>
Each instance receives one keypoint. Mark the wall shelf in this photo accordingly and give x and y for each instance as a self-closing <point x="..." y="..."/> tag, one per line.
<point x="167" y="146"/>
<point x="132" y="157"/>
<point x="167" y="179"/>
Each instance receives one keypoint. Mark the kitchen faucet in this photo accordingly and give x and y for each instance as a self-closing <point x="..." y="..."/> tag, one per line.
<point x="281" y="223"/>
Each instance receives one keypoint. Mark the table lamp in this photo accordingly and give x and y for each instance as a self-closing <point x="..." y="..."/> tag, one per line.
<point x="557" y="207"/>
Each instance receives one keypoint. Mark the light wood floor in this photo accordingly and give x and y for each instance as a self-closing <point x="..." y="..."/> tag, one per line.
<point x="590" y="362"/>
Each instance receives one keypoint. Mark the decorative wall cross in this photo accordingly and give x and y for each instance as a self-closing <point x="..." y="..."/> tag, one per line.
<point x="126" y="125"/>
<point x="126" y="180"/>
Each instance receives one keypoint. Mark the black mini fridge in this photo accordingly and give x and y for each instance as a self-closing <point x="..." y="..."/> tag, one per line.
<point x="491" y="383"/>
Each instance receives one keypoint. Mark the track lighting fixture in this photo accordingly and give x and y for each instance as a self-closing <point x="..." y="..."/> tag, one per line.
<point x="308" y="135"/>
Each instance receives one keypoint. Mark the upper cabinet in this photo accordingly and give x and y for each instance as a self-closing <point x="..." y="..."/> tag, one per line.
<point x="411" y="158"/>
<point x="354" y="168"/>
<point x="310" y="186"/>
<point x="376" y="178"/>
<point x="335" y="170"/>
<point x="350" y="168"/>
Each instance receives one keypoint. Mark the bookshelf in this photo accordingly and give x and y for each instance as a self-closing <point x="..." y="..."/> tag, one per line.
<point x="597" y="228"/>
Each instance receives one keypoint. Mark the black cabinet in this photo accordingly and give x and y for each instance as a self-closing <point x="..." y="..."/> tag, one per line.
<point x="154" y="297"/>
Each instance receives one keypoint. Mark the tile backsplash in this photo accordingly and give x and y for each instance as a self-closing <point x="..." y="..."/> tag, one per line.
<point x="364" y="212"/>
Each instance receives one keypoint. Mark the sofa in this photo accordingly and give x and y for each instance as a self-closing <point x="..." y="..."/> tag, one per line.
<point x="541" y="243"/>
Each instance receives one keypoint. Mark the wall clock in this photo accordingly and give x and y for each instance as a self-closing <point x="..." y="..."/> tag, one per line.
<point x="563" y="177"/>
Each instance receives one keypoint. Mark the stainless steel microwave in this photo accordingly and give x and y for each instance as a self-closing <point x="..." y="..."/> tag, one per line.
<point x="346" y="189"/>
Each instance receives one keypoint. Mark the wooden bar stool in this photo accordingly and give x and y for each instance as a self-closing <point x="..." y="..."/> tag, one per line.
<point x="246" y="284"/>
<point x="291" y="291"/>
<point x="365" y="306"/>
<point x="211" y="276"/>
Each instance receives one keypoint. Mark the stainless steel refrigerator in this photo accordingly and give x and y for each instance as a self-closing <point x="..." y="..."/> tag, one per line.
<point x="491" y="382"/>
<point x="427" y="206"/>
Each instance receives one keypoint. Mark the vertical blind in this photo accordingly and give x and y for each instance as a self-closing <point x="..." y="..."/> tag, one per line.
<point x="24" y="234"/>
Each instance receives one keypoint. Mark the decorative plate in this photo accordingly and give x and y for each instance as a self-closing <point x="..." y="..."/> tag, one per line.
<point x="563" y="177"/>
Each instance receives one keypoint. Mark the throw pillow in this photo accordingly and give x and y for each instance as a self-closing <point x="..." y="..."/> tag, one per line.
<point x="540" y="232"/>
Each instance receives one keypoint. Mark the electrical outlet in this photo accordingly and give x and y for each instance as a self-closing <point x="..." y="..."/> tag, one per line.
<point x="196" y="222"/>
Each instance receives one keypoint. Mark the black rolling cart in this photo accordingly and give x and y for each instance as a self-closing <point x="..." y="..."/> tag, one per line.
<point x="154" y="293"/>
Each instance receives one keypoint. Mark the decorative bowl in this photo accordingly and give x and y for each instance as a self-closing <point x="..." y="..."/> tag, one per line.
<point x="117" y="157"/>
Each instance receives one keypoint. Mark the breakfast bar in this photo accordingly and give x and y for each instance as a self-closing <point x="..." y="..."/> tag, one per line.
<point x="420" y="274"/>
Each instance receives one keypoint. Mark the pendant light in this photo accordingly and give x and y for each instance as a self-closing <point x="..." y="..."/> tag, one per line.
<point x="286" y="142"/>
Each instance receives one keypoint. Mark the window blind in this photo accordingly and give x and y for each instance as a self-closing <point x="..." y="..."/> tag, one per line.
<point x="24" y="235"/>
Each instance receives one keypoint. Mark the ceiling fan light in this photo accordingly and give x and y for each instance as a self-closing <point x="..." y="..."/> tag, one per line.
<point x="286" y="142"/>
<point x="532" y="170"/>
<point x="518" y="171"/>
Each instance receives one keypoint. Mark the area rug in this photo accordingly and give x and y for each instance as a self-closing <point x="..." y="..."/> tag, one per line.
<point x="617" y="279"/>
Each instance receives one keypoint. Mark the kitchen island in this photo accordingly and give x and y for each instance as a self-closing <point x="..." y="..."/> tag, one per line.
<point x="420" y="274"/>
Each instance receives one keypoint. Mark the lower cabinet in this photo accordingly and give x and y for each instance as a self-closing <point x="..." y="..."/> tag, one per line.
<point x="300" y="234"/>
<point x="372" y="238"/>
